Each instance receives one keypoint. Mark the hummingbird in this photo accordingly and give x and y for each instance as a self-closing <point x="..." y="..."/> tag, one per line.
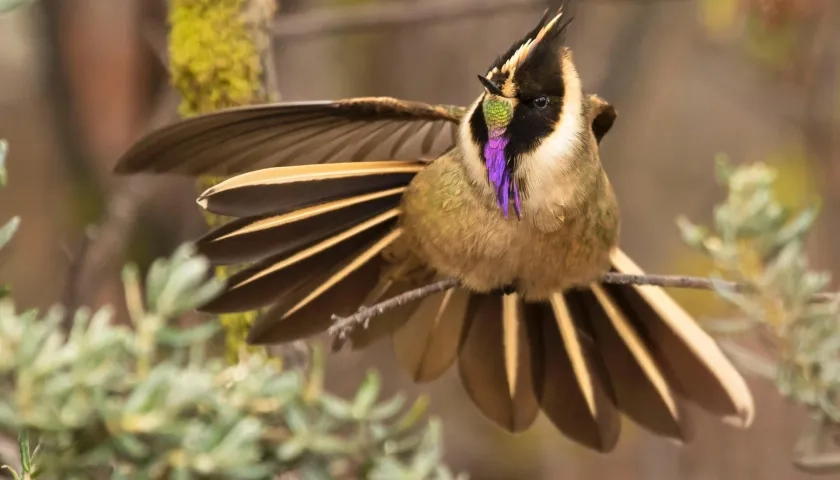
<point x="342" y="204"/>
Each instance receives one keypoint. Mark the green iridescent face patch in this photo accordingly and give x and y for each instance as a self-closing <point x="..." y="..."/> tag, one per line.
<point x="498" y="112"/>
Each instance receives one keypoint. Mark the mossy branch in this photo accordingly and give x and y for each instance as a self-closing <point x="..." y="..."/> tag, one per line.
<point x="220" y="56"/>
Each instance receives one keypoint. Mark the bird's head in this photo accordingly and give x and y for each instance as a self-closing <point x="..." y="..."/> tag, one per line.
<point x="530" y="113"/>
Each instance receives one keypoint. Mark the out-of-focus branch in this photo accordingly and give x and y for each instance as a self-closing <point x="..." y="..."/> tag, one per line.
<point x="391" y="14"/>
<point x="129" y="195"/>
<point x="155" y="36"/>
<point x="74" y="145"/>
<point x="70" y="298"/>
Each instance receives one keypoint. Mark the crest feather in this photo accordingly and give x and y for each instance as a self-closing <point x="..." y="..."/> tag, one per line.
<point x="520" y="51"/>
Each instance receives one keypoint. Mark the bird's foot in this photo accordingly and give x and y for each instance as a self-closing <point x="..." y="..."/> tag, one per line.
<point x="506" y="290"/>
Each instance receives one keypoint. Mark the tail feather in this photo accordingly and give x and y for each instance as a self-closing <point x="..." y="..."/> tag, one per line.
<point x="249" y="239"/>
<point x="571" y="381"/>
<point x="427" y="344"/>
<point x="494" y="362"/>
<point x="692" y="361"/>
<point x="640" y="387"/>
<point x="286" y="189"/>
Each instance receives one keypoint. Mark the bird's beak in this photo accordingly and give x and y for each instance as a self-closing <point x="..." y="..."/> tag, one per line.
<point x="490" y="86"/>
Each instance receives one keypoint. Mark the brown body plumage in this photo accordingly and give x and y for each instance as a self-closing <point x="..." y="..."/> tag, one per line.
<point x="326" y="225"/>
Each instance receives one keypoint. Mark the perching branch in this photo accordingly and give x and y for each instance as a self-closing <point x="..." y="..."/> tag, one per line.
<point x="342" y="326"/>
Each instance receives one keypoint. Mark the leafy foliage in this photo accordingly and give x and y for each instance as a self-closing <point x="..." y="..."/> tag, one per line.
<point x="110" y="401"/>
<point x="760" y="244"/>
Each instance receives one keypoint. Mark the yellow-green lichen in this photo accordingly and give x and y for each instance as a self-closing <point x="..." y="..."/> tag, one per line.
<point x="213" y="60"/>
<point x="215" y="63"/>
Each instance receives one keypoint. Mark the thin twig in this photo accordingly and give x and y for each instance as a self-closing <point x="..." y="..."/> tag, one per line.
<point x="384" y="15"/>
<point x="342" y="326"/>
<point x="70" y="298"/>
<point x="697" y="283"/>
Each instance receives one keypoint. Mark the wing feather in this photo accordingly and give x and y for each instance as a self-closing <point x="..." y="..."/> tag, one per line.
<point x="242" y="139"/>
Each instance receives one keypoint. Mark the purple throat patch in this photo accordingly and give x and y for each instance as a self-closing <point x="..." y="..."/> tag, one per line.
<point x="499" y="175"/>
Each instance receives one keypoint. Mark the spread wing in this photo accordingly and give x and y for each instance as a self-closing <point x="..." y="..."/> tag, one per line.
<point x="245" y="139"/>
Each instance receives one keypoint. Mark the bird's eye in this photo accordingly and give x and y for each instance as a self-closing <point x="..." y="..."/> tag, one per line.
<point x="541" y="101"/>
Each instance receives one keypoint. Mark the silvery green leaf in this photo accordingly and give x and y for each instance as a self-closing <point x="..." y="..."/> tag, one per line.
<point x="141" y="398"/>
<point x="388" y="469"/>
<point x="337" y="407"/>
<point x="428" y="454"/>
<point x="329" y="445"/>
<point x="726" y="292"/>
<point x="5" y="7"/>
<point x="380" y="432"/>
<point x="131" y="445"/>
<point x="31" y="345"/>
<point x="784" y="261"/>
<point x="366" y="396"/>
<point x="186" y="276"/>
<point x="190" y="300"/>
<point x="387" y="409"/>
<point x="296" y="419"/>
<point x="183" y="253"/>
<point x="8" y="230"/>
<point x="23" y="446"/>
<point x="797" y="228"/>
<point x="314" y="472"/>
<point x="155" y="281"/>
<point x="238" y="446"/>
<point x="413" y="415"/>
<point x="178" y="338"/>
<point x="291" y="449"/>
<point x="723" y="168"/>
<point x="4" y="151"/>
<point x="253" y="472"/>
<point x="692" y="235"/>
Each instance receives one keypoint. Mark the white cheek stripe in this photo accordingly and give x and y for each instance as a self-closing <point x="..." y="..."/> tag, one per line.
<point x="564" y="141"/>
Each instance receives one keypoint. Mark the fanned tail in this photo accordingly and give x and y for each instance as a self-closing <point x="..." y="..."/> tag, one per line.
<point x="582" y="358"/>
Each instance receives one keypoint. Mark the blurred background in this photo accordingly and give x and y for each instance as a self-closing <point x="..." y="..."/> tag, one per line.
<point x="80" y="80"/>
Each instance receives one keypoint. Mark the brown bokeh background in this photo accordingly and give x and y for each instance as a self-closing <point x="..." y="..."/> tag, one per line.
<point x="755" y="79"/>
